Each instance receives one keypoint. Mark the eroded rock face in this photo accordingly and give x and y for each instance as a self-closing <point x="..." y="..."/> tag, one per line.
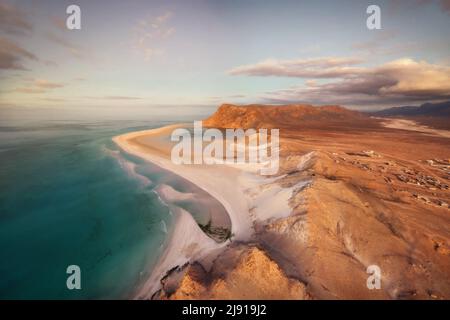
<point x="263" y="116"/>
<point x="373" y="197"/>
<point x="354" y="219"/>
<point x="347" y="219"/>
<point x="241" y="272"/>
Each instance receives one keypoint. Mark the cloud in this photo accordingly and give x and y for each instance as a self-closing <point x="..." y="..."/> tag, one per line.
<point x="44" y="84"/>
<point x="399" y="81"/>
<point x="443" y="5"/>
<point x="54" y="100"/>
<point x="29" y="90"/>
<point x="163" y="18"/>
<point x="38" y="86"/>
<point x="13" y="20"/>
<point x="121" y="98"/>
<point x="300" y="68"/>
<point x="150" y="33"/>
<point x="12" y="56"/>
<point x="115" y="98"/>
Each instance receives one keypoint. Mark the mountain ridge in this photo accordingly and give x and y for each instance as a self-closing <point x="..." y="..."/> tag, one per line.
<point x="427" y="109"/>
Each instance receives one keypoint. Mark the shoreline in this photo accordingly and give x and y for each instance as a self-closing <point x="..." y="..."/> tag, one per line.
<point x="411" y="125"/>
<point x="311" y="220"/>
<point x="186" y="241"/>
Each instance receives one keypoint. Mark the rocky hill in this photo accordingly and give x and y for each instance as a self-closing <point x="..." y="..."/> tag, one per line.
<point x="286" y="116"/>
<point x="358" y="197"/>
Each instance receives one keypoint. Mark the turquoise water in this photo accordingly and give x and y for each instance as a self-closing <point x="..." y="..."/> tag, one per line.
<point x="68" y="196"/>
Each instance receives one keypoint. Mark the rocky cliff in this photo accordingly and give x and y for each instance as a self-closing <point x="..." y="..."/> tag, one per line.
<point x="376" y="196"/>
<point x="266" y="116"/>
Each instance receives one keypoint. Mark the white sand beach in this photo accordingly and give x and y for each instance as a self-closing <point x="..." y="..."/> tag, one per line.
<point x="317" y="220"/>
<point x="248" y="198"/>
<point x="187" y="241"/>
<point x="219" y="181"/>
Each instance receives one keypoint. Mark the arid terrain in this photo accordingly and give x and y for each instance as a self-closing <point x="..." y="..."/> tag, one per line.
<point x="363" y="195"/>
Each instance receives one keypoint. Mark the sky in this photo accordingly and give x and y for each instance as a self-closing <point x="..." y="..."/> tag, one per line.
<point x="203" y="53"/>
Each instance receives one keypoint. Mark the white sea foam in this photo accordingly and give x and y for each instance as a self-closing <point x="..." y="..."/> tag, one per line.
<point x="128" y="166"/>
<point x="237" y="187"/>
<point x="163" y="226"/>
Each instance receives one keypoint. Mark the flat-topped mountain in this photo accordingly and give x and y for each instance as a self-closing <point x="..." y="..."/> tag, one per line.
<point x="270" y="116"/>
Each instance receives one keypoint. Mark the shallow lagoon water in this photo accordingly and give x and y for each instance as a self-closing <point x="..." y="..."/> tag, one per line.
<point x="67" y="199"/>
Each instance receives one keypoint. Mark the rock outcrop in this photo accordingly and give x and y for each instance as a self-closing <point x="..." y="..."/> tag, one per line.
<point x="376" y="196"/>
<point x="241" y="272"/>
<point x="263" y="116"/>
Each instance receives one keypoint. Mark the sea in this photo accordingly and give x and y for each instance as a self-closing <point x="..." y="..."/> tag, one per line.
<point x="69" y="196"/>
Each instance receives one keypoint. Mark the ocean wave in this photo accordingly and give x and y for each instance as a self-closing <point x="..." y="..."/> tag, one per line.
<point x="128" y="166"/>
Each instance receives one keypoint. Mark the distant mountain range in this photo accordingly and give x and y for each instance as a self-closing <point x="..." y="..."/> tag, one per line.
<point x="441" y="109"/>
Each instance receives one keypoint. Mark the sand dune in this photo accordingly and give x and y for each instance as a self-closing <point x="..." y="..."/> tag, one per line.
<point x="348" y="195"/>
<point x="230" y="184"/>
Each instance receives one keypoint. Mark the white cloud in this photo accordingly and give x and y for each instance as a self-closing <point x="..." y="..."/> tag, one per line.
<point x="13" y="20"/>
<point x="301" y="68"/>
<point x="45" y="84"/>
<point x="12" y="56"/>
<point x="150" y="34"/>
<point x="38" y="86"/>
<point x="399" y="81"/>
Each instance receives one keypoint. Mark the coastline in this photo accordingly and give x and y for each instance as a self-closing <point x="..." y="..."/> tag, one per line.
<point x="318" y="221"/>
<point x="187" y="242"/>
<point x="219" y="181"/>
